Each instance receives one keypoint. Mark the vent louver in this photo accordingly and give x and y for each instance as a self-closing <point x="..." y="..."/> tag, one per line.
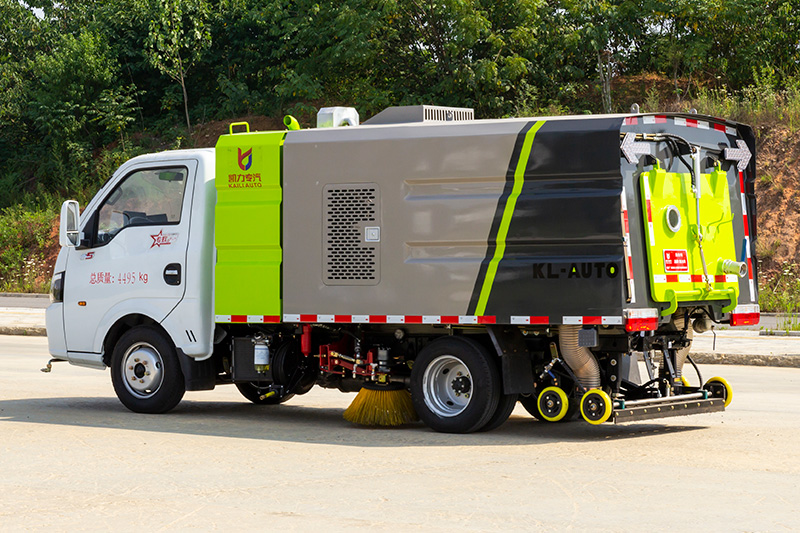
<point x="347" y="259"/>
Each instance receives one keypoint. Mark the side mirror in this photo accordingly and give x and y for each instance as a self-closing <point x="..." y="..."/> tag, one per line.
<point x="68" y="231"/>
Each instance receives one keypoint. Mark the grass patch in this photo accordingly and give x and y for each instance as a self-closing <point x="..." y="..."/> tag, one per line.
<point x="779" y="292"/>
<point x="26" y="249"/>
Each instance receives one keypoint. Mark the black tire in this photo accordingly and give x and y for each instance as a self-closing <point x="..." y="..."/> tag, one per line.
<point x="253" y="390"/>
<point x="531" y="404"/>
<point x="504" y="409"/>
<point x="137" y="353"/>
<point x="461" y="402"/>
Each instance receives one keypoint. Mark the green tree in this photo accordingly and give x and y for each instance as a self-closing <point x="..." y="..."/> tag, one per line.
<point x="178" y="35"/>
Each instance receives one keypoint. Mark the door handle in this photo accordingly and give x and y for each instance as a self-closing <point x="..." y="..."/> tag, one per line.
<point x="172" y="274"/>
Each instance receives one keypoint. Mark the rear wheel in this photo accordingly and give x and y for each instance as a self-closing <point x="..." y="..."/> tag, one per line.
<point x="455" y="386"/>
<point x="146" y="372"/>
<point x="504" y="409"/>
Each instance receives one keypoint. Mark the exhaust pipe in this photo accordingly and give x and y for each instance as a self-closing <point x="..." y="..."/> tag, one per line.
<point x="578" y="358"/>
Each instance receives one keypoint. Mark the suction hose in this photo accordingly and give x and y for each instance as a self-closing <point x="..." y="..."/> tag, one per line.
<point x="579" y="359"/>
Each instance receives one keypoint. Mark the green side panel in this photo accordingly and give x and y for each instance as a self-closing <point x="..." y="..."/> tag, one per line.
<point x="674" y="255"/>
<point x="247" y="227"/>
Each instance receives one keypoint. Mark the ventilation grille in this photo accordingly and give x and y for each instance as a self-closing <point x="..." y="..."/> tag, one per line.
<point x="347" y="258"/>
<point x="448" y="113"/>
<point x="421" y="113"/>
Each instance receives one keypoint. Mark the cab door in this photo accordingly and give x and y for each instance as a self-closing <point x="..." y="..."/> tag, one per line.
<point x="133" y="253"/>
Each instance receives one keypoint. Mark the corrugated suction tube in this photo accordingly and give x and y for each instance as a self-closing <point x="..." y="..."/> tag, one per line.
<point x="580" y="360"/>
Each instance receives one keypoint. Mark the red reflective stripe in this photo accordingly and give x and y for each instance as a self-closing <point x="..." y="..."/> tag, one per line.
<point x="487" y="319"/>
<point x="746" y="227"/>
<point x="630" y="121"/>
<point x="413" y="319"/>
<point x="697" y="278"/>
<point x="343" y="318"/>
<point x="649" y="212"/>
<point x="630" y="265"/>
<point x="270" y="319"/>
<point x="692" y="123"/>
<point x="377" y="319"/>
<point x="741" y="182"/>
<point x="719" y="127"/>
<point x="625" y="219"/>
<point x="239" y="318"/>
<point x="592" y="320"/>
<point x="540" y="319"/>
<point x="750" y="267"/>
<point x="672" y="278"/>
<point x="661" y="119"/>
<point x="308" y="318"/>
<point x="719" y="279"/>
<point x="449" y="319"/>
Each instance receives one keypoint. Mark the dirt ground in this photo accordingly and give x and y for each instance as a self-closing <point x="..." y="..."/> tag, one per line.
<point x="777" y="200"/>
<point x="72" y="459"/>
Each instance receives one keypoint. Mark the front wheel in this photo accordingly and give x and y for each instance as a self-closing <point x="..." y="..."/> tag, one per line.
<point x="146" y="372"/>
<point x="455" y="385"/>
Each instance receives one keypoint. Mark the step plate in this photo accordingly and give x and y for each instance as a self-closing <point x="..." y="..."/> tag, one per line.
<point x="664" y="410"/>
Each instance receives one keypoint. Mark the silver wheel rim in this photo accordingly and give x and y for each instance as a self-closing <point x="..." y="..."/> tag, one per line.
<point x="447" y="386"/>
<point x="142" y="370"/>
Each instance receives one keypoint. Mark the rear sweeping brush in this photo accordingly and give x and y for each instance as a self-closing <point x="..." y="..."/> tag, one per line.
<point x="381" y="405"/>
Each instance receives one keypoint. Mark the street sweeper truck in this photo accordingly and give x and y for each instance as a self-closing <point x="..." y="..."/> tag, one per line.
<point x="441" y="266"/>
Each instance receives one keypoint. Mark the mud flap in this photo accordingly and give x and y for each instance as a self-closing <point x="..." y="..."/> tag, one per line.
<point x="515" y="361"/>
<point x="198" y="375"/>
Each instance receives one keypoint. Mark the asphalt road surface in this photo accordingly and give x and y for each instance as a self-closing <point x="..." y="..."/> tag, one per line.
<point x="72" y="458"/>
<point x="24" y="300"/>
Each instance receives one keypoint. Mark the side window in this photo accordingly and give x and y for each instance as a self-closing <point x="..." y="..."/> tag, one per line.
<point x="145" y="198"/>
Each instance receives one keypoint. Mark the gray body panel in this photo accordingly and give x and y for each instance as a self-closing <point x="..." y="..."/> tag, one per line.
<point x="439" y="187"/>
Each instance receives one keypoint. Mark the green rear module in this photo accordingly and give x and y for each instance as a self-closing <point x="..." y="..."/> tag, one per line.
<point x="247" y="232"/>
<point x="677" y="270"/>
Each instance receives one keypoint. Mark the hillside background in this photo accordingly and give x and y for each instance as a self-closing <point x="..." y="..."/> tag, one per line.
<point x="85" y="85"/>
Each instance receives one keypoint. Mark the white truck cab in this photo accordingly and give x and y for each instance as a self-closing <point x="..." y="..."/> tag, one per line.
<point x="144" y="255"/>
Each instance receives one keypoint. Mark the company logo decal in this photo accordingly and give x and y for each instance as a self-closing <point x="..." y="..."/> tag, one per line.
<point x="246" y="155"/>
<point x="87" y="255"/>
<point x="163" y="239"/>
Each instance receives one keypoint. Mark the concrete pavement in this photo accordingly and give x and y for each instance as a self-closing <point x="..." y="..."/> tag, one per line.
<point x="24" y="315"/>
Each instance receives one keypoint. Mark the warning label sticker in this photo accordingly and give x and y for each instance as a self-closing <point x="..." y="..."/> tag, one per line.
<point x="676" y="261"/>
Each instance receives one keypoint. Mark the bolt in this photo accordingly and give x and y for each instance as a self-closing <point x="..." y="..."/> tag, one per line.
<point x="141" y="381"/>
<point x="130" y="367"/>
<point x="136" y="360"/>
<point x="144" y="363"/>
<point x="466" y="395"/>
<point x="613" y="378"/>
<point x="133" y="378"/>
<point x="147" y="373"/>
<point x="458" y="373"/>
<point x="458" y="394"/>
<point x="613" y="362"/>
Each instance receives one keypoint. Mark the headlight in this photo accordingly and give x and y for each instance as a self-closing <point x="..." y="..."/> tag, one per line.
<point x="57" y="288"/>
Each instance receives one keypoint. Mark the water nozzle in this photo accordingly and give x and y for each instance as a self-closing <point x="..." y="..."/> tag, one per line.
<point x="734" y="267"/>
